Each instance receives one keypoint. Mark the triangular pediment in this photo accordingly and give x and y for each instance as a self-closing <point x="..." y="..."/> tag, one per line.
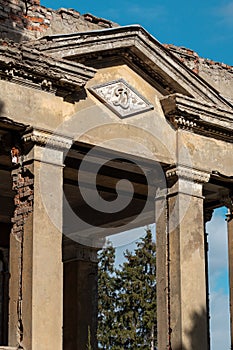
<point x="142" y="52"/>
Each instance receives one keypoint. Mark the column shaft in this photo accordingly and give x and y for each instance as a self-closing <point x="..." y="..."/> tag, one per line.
<point x="80" y="296"/>
<point x="80" y="305"/>
<point x="188" y="310"/>
<point x="162" y="278"/>
<point x="181" y="273"/>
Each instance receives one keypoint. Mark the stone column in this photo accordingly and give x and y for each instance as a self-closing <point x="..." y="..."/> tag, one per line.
<point x="183" y="322"/>
<point x="230" y="259"/>
<point x="208" y="213"/>
<point x="162" y="271"/>
<point x="36" y="282"/>
<point x="80" y="296"/>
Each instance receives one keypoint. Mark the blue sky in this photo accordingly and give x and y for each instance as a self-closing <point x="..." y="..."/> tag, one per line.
<point x="207" y="28"/>
<point x="204" y="26"/>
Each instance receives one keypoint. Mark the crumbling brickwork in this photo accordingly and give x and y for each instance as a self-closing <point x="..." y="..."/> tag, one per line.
<point x="27" y="19"/>
<point x="23" y="185"/>
<point x="219" y="75"/>
<point x="187" y="56"/>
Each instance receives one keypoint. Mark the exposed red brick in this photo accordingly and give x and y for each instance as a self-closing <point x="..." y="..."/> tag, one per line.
<point x="35" y="19"/>
<point x="19" y="15"/>
<point x="23" y="185"/>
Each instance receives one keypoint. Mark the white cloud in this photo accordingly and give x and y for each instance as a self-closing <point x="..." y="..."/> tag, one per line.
<point x="135" y="13"/>
<point x="149" y="12"/>
<point x="227" y="10"/>
<point x="225" y="13"/>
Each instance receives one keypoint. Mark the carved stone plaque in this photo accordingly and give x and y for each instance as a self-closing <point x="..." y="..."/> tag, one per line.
<point x="121" y="98"/>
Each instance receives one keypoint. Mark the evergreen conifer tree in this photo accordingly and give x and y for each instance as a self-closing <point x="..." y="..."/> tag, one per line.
<point x="106" y="299"/>
<point x="127" y="298"/>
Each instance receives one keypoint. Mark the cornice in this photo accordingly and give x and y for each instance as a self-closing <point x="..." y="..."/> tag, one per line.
<point x="199" y="117"/>
<point x="27" y="66"/>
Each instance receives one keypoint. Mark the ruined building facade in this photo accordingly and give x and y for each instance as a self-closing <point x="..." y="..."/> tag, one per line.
<point x="85" y="103"/>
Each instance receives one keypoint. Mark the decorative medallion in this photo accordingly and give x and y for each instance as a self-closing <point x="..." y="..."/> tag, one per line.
<point x="121" y="98"/>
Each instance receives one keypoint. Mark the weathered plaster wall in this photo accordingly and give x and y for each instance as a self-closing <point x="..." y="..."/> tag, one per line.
<point x="217" y="154"/>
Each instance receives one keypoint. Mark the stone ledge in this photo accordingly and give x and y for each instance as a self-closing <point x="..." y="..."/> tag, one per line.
<point x="7" y="348"/>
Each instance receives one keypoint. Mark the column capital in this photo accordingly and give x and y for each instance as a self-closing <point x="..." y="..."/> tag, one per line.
<point x="47" y="138"/>
<point x="186" y="180"/>
<point x="45" y="146"/>
<point x="188" y="174"/>
<point x="73" y="251"/>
